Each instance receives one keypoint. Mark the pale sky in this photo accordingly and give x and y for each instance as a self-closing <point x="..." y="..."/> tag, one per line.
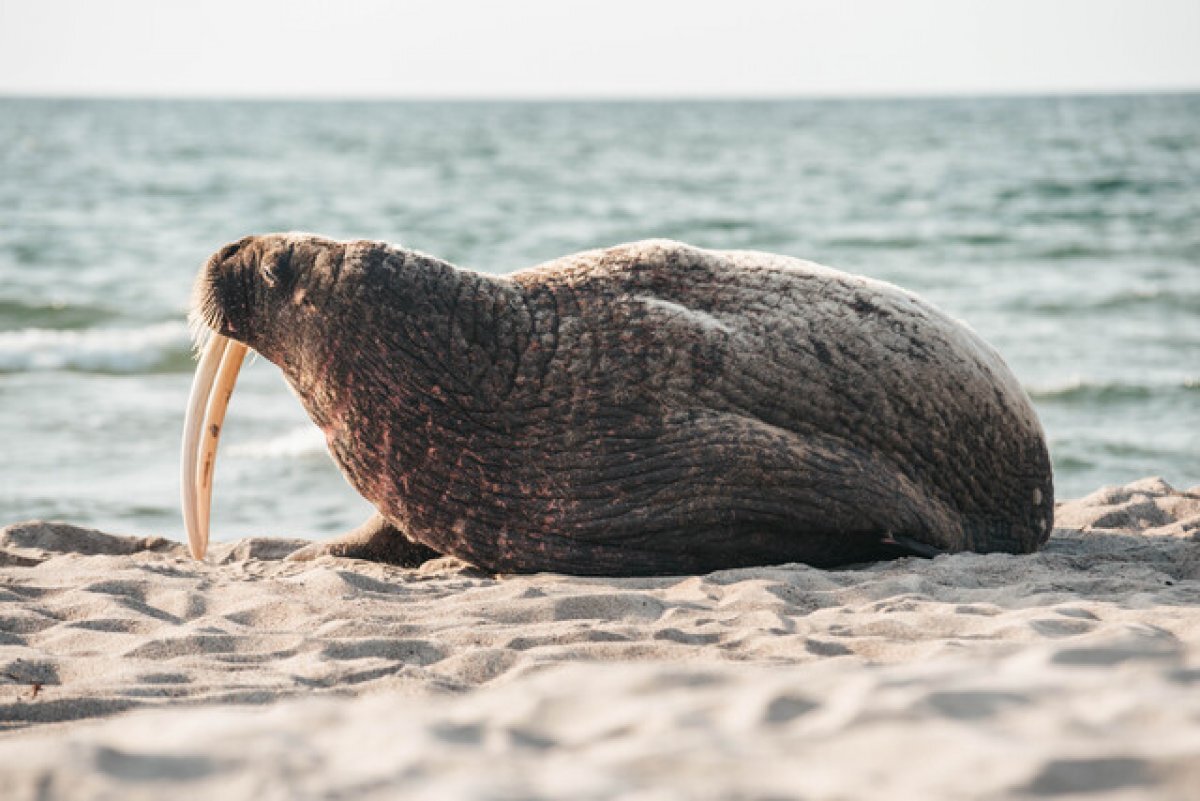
<point x="595" y="48"/>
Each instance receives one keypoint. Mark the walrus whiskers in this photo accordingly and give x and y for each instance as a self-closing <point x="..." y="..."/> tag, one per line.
<point x="211" y="390"/>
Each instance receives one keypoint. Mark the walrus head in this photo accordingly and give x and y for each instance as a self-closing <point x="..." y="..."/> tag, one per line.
<point x="362" y="331"/>
<point x="250" y="294"/>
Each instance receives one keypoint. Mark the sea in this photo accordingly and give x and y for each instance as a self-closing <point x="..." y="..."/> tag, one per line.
<point x="1065" y="230"/>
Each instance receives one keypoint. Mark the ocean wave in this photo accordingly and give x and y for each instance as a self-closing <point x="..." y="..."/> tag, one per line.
<point x="980" y="238"/>
<point x="1079" y="390"/>
<point x="913" y="242"/>
<point x="882" y="242"/>
<point x="1099" y="186"/>
<point x="1157" y="298"/>
<point x="1164" y="298"/>
<point x="303" y="441"/>
<point x="17" y="314"/>
<point x="1072" y="250"/>
<point x="157" y="347"/>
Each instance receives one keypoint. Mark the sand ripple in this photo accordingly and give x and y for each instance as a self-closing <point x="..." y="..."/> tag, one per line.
<point x="1074" y="671"/>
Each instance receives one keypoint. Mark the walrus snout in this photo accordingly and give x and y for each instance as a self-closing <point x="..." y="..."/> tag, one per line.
<point x="221" y="292"/>
<point x="252" y="280"/>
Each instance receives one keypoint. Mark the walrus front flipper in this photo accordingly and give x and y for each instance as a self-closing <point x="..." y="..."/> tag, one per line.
<point x="913" y="546"/>
<point x="720" y="490"/>
<point x="376" y="540"/>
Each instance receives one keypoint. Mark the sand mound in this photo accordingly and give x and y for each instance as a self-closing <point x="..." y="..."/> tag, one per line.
<point x="1149" y="506"/>
<point x="1070" y="671"/>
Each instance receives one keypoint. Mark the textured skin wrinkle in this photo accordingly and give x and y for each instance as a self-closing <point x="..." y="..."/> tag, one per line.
<point x="648" y="408"/>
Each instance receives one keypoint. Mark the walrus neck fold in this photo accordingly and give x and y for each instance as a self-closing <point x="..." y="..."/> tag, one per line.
<point x="423" y="349"/>
<point x="416" y="321"/>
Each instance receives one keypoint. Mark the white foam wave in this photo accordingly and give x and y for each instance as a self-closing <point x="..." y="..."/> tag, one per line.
<point x="1079" y="388"/>
<point x="119" y="350"/>
<point x="304" y="441"/>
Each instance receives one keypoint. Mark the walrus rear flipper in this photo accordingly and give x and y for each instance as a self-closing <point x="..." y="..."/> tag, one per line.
<point x="734" y="491"/>
<point x="915" y="547"/>
<point x="376" y="540"/>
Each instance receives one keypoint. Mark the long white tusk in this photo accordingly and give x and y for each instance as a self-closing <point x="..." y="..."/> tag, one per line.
<point x="210" y="432"/>
<point x="211" y="390"/>
<point x="206" y="373"/>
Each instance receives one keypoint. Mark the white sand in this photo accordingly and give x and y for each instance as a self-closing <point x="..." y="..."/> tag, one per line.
<point x="129" y="671"/>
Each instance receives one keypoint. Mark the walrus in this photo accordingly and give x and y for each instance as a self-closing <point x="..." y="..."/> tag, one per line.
<point x="649" y="408"/>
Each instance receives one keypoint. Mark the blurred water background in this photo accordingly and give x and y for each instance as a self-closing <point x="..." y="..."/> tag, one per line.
<point x="1065" y="230"/>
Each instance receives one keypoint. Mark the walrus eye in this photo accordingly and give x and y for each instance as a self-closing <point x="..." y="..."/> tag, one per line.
<point x="277" y="269"/>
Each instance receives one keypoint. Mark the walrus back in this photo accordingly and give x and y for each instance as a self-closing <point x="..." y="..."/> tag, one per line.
<point x="655" y="408"/>
<point x="854" y="376"/>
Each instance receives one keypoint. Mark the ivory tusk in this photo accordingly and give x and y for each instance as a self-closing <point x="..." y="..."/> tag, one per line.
<point x="211" y="390"/>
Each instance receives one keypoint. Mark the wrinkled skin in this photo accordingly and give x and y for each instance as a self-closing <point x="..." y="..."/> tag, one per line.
<point x="646" y="409"/>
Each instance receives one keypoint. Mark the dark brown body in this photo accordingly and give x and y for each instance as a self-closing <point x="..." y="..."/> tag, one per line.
<point x="650" y="408"/>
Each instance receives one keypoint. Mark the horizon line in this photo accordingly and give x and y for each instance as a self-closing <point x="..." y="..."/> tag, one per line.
<point x="985" y="94"/>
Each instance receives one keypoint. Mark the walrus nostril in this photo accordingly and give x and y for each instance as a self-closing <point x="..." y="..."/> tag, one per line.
<point x="228" y="252"/>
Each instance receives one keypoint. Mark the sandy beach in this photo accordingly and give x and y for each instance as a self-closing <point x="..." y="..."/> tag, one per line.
<point x="594" y="288"/>
<point x="127" y="670"/>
